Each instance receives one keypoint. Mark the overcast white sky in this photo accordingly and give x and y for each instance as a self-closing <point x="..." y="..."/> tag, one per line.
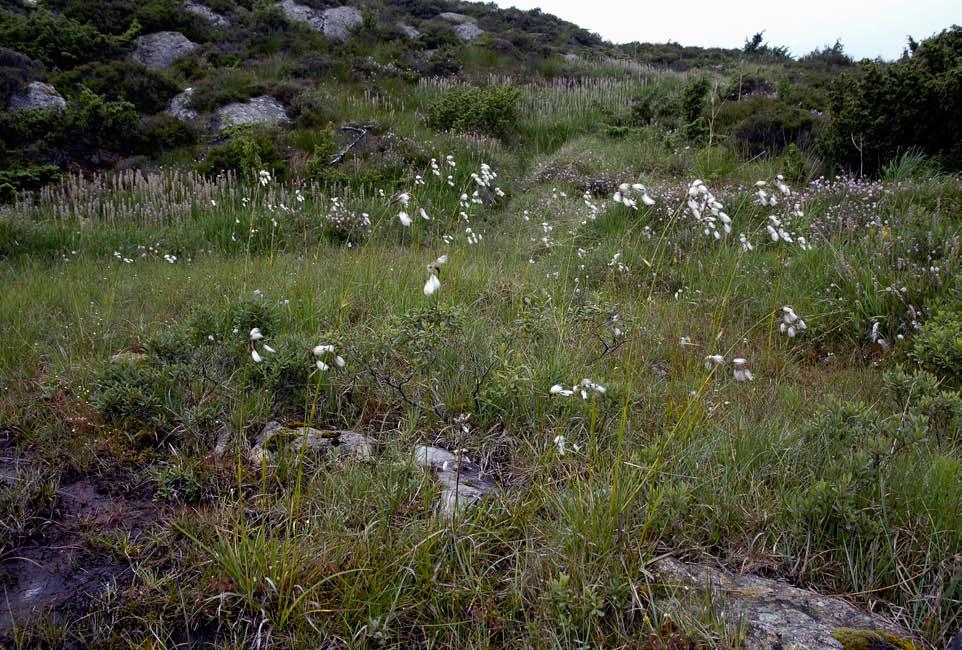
<point x="868" y="28"/>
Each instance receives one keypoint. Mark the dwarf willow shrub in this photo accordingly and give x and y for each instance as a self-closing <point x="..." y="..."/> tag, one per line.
<point x="492" y="110"/>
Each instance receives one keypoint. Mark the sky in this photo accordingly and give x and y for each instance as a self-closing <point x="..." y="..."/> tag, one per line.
<point x="868" y="28"/>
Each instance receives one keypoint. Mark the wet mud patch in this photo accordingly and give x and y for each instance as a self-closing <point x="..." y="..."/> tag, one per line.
<point x="61" y="570"/>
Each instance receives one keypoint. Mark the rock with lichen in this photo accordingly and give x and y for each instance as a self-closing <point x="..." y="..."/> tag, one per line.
<point x="772" y="614"/>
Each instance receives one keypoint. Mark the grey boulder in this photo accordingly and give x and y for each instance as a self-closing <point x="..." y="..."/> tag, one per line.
<point x="162" y="49"/>
<point x="180" y="106"/>
<point x="771" y="614"/>
<point x="259" y="110"/>
<point x="205" y="12"/>
<point x="37" y="95"/>
<point x="335" y="23"/>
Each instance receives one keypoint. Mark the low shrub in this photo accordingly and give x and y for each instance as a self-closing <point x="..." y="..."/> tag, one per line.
<point x="492" y="110"/>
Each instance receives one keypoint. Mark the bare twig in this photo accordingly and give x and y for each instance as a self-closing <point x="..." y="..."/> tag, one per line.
<point x="360" y="131"/>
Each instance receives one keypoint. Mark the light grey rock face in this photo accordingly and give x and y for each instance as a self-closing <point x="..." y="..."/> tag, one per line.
<point x="771" y="614"/>
<point x="453" y="17"/>
<point x="37" y="95"/>
<point x="302" y="13"/>
<point x="180" y="106"/>
<point x="340" y="21"/>
<point x="162" y="49"/>
<point x="336" y="23"/>
<point x="259" y="110"/>
<point x="468" y="31"/>
<point x="461" y="480"/>
<point x="409" y="31"/>
<point x="205" y="12"/>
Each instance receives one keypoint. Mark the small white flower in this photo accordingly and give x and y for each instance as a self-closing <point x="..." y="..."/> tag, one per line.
<point x="265" y="177"/>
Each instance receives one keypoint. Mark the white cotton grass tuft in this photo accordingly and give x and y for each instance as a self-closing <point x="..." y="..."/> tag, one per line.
<point x="404" y="218"/>
<point x="741" y="372"/>
<point x="256" y="334"/>
<point x="326" y="350"/>
<point x="713" y="361"/>
<point x="791" y="324"/>
<point x="432" y="285"/>
<point x="255" y="356"/>
<point x="583" y="389"/>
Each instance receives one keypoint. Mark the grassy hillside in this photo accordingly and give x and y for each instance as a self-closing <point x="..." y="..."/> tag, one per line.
<point x="662" y="326"/>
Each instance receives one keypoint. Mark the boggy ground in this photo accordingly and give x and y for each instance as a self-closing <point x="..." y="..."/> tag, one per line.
<point x="618" y="360"/>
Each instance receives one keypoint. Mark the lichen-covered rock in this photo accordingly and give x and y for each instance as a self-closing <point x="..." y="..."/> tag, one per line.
<point x="36" y="95"/>
<point x="162" y="49"/>
<point x="335" y="23"/>
<point x="340" y="21"/>
<point x="773" y="614"/>
<point x="205" y="12"/>
<point x="302" y="13"/>
<point x="348" y="444"/>
<point x="180" y="106"/>
<point x="259" y="110"/>
<point x="468" y="31"/>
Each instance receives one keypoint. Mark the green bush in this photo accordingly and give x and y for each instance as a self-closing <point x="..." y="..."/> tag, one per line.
<point x="880" y="110"/>
<point x="225" y="86"/>
<point x="938" y="345"/>
<point x="760" y="125"/>
<point x="14" y="181"/>
<point x="491" y="110"/>
<point x="121" y="80"/>
<point x="59" y="41"/>
<point x="248" y="149"/>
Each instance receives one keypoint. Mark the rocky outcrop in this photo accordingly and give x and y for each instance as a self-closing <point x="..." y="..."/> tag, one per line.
<point x="336" y="23"/>
<point x="162" y="49"/>
<point x="181" y="108"/>
<point x="464" y="26"/>
<point x="36" y="95"/>
<point x="772" y="614"/>
<point x="468" y="31"/>
<point x="259" y="110"/>
<point x="340" y="21"/>
<point x="453" y="17"/>
<point x="205" y="12"/>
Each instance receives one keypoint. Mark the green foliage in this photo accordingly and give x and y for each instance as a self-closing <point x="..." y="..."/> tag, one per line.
<point x="881" y="110"/>
<point x="59" y="41"/>
<point x="247" y="150"/>
<point x="938" y="345"/>
<point x="27" y="179"/>
<point x="491" y="109"/>
<point x="693" y="99"/>
<point x="758" y="125"/>
<point x="15" y="71"/>
<point x="121" y="80"/>
<point x="225" y="86"/>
